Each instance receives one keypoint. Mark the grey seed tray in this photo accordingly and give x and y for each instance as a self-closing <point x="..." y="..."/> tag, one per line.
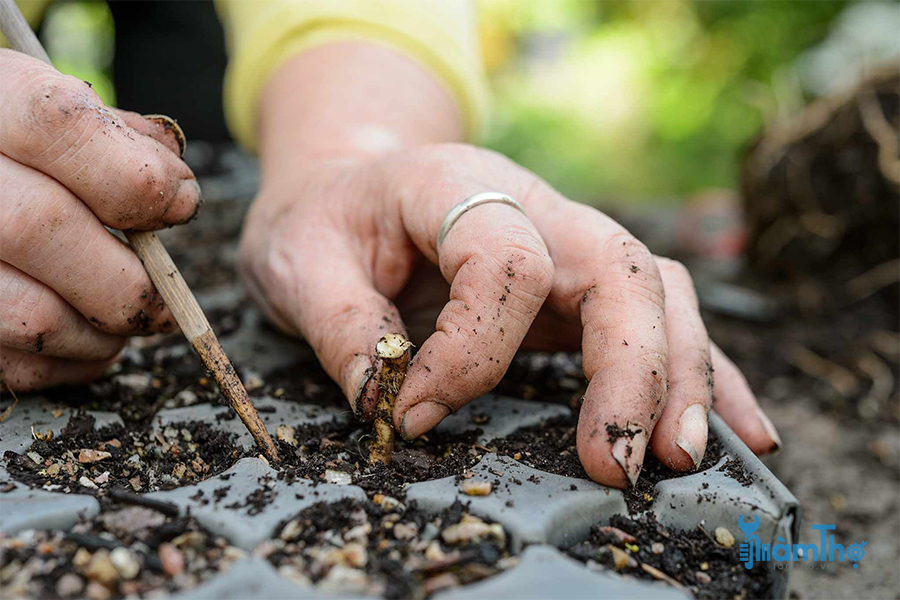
<point x="540" y="512"/>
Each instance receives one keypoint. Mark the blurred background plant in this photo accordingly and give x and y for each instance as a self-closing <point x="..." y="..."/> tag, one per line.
<point x="620" y="100"/>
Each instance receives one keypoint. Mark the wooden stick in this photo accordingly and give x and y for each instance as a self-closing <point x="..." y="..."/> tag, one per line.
<point x="163" y="272"/>
<point x="393" y="350"/>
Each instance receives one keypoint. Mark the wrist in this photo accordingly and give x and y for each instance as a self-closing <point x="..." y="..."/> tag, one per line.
<point x="351" y="101"/>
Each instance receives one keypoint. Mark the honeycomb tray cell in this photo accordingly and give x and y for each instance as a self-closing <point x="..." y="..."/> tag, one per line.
<point x="543" y="515"/>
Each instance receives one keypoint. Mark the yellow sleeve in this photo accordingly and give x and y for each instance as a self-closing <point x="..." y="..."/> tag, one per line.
<point x="439" y="34"/>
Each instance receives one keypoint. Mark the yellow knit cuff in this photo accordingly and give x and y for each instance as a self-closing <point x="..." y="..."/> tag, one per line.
<point x="297" y="27"/>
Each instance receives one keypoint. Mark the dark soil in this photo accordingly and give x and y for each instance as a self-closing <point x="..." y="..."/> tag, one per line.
<point x="85" y="459"/>
<point x="341" y="446"/>
<point x="403" y="552"/>
<point x="94" y="557"/>
<point x="691" y="558"/>
<point x="550" y="447"/>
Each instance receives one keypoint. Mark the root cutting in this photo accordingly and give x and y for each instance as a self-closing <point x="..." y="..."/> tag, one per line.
<point x="393" y="350"/>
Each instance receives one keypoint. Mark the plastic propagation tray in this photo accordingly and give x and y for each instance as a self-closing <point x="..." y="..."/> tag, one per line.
<point x="547" y="512"/>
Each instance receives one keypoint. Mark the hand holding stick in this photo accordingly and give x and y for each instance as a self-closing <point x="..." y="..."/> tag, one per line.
<point x="163" y="272"/>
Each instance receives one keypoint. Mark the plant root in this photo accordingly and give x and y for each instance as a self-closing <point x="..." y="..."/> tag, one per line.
<point x="393" y="350"/>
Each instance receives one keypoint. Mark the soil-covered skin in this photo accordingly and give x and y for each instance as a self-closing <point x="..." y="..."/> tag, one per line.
<point x="386" y="549"/>
<point x="126" y="551"/>
<point x="643" y="548"/>
<point x="83" y="458"/>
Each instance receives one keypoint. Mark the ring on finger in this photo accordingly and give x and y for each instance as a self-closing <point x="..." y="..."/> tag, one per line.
<point x="468" y="204"/>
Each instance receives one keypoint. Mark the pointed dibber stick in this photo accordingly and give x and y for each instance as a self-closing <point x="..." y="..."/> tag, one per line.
<point x="163" y="272"/>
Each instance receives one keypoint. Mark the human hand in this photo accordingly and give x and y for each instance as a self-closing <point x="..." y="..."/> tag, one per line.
<point x="328" y="246"/>
<point x="70" y="291"/>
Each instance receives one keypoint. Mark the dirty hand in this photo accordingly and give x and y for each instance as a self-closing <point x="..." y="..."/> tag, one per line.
<point x="70" y="291"/>
<point x="345" y="225"/>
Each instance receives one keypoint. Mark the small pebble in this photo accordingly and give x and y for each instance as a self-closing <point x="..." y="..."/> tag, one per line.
<point x="620" y="557"/>
<point x="724" y="537"/>
<point x="346" y="580"/>
<point x="476" y="487"/>
<point x="286" y="434"/>
<point x="135" y="382"/>
<point x="702" y="577"/>
<point x="90" y="456"/>
<point x="388" y="502"/>
<point x="657" y="548"/>
<point x="470" y="528"/>
<point x="69" y="584"/>
<point x="101" y="568"/>
<point x="82" y="558"/>
<point x="186" y="397"/>
<point x="338" y="477"/>
<point x="405" y="531"/>
<point x="291" y="530"/>
<point x="125" y="562"/>
<point x="98" y="591"/>
<point x="619" y="534"/>
<point x="171" y="558"/>
<point x="253" y="382"/>
<point x="360" y="532"/>
<point x="87" y="483"/>
<point x="355" y="554"/>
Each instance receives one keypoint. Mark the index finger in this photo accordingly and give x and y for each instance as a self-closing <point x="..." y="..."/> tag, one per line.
<point x="58" y="125"/>
<point x="500" y="273"/>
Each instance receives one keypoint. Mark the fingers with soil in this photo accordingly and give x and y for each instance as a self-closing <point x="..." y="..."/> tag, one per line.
<point x="331" y="302"/>
<point x="610" y="281"/>
<point x="48" y="233"/>
<point x="24" y="371"/>
<point x="679" y="438"/>
<point x="36" y="320"/>
<point x="735" y="402"/>
<point x="162" y="128"/>
<point x="500" y="274"/>
<point x="58" y="125"/>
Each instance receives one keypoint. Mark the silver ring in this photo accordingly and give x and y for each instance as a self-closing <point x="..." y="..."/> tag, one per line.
<point x="468" y="204"/>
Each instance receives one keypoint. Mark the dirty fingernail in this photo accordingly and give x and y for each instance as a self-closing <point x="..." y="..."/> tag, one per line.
<point x="186" y="204"/>
<point x="693" y="432"/>
<point x="770" y="430"/>
<point x="421" y="418"/>
<point x="171" y="129"/>
<point x="629" y="453"/>
<point x="357" y="405"/>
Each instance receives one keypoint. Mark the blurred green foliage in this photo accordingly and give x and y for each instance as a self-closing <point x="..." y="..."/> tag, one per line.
<point x="80" y="39"/>
<point x="605" y="99"/>
<point x="638" y="99"/>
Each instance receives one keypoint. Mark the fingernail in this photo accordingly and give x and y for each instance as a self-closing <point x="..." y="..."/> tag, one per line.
<point x="629" y="453"/>
<point x="770" y="430"/>
<point x="693" y="432"/>
<point x="356" y="404"/>
<point x="171" y="126"/>
<point x="186" y="204"/>
<point x="421" y="418"/>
